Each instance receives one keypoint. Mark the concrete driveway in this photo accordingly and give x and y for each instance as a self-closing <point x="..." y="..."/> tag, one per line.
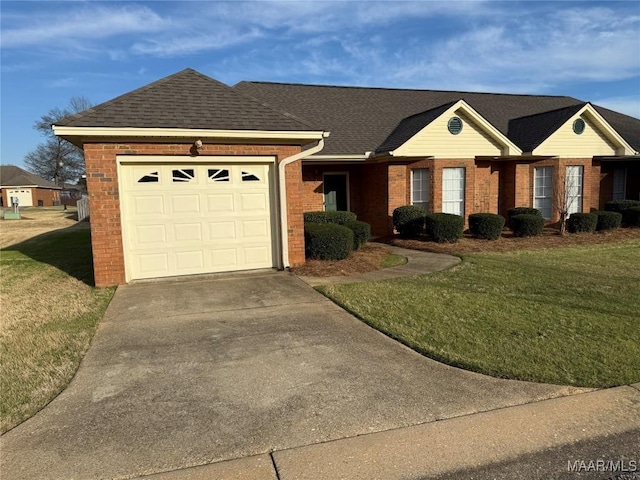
<point x="185" y="373"/>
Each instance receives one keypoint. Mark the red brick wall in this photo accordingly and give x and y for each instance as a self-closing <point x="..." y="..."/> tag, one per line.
<point x="313" y="187"/>
<point x="104" y="201"/>
<point x="48" y="197"/>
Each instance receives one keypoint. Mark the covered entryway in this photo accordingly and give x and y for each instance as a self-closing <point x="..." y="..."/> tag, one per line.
<point x="185" y="218"/>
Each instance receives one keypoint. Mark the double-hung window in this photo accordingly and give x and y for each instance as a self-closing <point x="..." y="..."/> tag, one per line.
<point x="420" y="179"/>
<point x="573" y="189"/>
<point x="453" y="190"/>
<point x="543" y="190"/>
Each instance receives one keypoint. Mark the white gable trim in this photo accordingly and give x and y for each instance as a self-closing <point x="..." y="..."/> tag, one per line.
<point x="620" y="144"/>
<point x="463" y="108"/>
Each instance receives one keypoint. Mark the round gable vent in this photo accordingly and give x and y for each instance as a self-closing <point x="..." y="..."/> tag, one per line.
<point x="578" y="126"/>
<point x="454" y="125"/>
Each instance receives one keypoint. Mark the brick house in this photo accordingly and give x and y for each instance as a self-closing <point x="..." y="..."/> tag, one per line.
<point x="31" y="190"/>
<point x="187" y="175"/>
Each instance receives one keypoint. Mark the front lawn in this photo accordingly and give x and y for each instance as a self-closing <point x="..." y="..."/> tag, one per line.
<point x="49" y="314"/>
<point x="565" y="315"/>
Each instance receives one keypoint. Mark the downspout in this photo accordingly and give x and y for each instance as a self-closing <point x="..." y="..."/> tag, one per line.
<point x="283" y="195"/>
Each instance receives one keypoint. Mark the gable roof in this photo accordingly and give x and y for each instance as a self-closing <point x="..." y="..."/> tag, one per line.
<point x="410" y="126"/>
<point x="361" y="119"/>
<point x="186" y="100"/>
<point x="12" y="176"/>
<point x="530" y="131"/>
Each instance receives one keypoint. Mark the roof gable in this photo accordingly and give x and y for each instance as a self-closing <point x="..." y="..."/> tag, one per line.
<point x="427" y="134"/>
<point x="598" y="137"/>
<point x="186" y="100"/>
<point x="530" y="131"/>
<point x="12" y="176"/>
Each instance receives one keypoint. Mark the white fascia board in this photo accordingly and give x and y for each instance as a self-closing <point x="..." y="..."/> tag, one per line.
<point x="337" y="157"/>
<point x="190" y="133"/>
<point x="509" y="147"/>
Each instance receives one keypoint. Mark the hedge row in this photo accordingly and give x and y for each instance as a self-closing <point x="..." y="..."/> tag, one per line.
<point x="333" y="235"/>
<point x="629" y="210"/>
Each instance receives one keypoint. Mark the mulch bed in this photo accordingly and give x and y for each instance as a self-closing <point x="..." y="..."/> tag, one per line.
<point x="369" y="257"/>
<point x="550" y="238"/>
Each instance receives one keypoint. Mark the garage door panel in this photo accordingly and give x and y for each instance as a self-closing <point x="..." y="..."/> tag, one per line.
<point x="222" y="230"/>
<point x="187" y="232"/>
<point x="224" y="259"/>
<point x="183" y="219"/>
<point x="189" y="261"/>
<point x="185" y="203"/>
<point x="148" y="204"/>
<point x="219" y="203"/>
<point x="146" y="234"/>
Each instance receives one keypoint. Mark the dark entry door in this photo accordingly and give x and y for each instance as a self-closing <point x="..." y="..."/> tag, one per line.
<point x="335" y="192"/>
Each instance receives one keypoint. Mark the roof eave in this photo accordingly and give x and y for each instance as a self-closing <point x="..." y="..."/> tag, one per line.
<point x="85" y="133"/>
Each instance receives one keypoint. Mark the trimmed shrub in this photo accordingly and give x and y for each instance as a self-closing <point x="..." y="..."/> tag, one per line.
<point x="632" y="217"/>
<point x="444" y="227"/>
<point x="608" y="220"/>
<point x="339" y="217"/>
<point x="582" y="222"/>
<point x="486" y="225"/>
<point x="409" y="220"/>
<point x="624" y="206"/>
<point x="527" y="225"/>
<point x="361" y="232"/>
<point x="512" y="212"/>
<point x="327" y="241"/>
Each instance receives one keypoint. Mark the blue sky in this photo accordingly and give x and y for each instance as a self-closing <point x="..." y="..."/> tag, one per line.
<point x="52" y="51"/>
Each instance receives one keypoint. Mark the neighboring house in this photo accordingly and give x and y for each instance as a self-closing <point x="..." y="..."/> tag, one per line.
<point x="187" y="175"/>
<point x="30" y="189"/>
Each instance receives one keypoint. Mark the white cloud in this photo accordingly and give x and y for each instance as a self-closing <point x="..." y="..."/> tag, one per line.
<point x="186" y="45"/>
<point x="629" y="105"/>
<point x="85" y="23"/>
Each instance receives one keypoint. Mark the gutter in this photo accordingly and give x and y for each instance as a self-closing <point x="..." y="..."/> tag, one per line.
<point x="282" y="190"/>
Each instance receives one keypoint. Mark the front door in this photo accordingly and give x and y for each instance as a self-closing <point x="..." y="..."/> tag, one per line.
<point x="335" y="192"/>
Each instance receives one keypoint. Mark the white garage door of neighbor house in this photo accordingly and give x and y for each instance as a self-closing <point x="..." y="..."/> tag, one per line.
<point x="25" y="198"/>
<point x="184" y="219"/>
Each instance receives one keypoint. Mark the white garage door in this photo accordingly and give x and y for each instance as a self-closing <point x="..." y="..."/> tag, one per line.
<point x="25" y="198"/>
<point x="183" y="219"/>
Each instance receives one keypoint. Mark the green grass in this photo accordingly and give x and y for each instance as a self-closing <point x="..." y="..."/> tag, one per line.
<point x="49" y="314"/>
<point x="566" y="316"/>
<point x="392" y="260"/>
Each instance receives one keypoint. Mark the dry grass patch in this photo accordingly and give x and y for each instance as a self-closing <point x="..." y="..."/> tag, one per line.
<point x="369" y="258"/>
<point x="49" y="314"/>
<point x="36" y="221"/>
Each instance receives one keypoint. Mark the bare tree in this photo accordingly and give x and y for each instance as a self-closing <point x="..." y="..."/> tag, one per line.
<point x="568" y="195"/>
<point x="57" y="159"/>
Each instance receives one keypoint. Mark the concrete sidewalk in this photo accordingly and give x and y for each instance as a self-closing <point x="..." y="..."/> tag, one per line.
<point x="541" y="440"/>
<point x="418" y="263"/>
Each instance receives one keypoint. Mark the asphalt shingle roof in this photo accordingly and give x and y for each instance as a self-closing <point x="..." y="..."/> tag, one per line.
<point x="187" y="99"/>
<point x="530" y="131"/>
<point x="362" y="119"/>
<point x="12" y="176"/>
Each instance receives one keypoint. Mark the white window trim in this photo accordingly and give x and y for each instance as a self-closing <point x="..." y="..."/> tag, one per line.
<point x="428" y="187"/>
<point x="550" y="196"/>
<point x="462" y="201"/>
<point x="573" y="206"/>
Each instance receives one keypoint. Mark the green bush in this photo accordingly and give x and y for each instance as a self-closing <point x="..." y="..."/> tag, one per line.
<point x="632" y="217"/>
<point x="629" y="218"/>
<point x="444" y="227"/>
<point x="512" y="212"/>
<point x="486" y="225"/>
<point x="409" y="220"/>
<point x="361" y="232"/>
<point x="339" y="217"/>
<point x="582" y="222"/>
<point x="608" y="220"/>
<point x="526" y="225"/>
<point x="327" y="241"/>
